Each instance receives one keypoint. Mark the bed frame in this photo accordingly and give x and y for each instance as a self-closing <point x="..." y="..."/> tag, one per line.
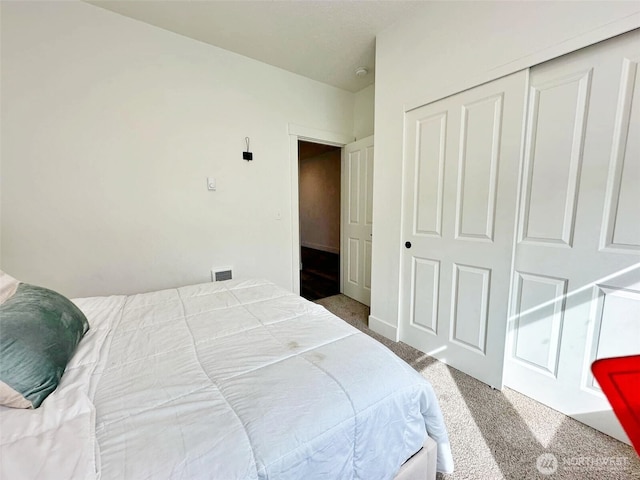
<point x="422" y="466"/>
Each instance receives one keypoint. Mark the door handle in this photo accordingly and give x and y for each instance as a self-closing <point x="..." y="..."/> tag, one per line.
<point x="407" y="244"/>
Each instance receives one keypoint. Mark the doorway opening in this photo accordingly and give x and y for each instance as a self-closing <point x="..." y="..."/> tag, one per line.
<point x="319" y="184"/>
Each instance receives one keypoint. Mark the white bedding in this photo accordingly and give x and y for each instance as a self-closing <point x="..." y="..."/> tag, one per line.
<point x="225" y="380"/>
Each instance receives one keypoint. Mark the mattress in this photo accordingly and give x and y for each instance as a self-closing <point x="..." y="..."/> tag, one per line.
<point x="236" y="379"/>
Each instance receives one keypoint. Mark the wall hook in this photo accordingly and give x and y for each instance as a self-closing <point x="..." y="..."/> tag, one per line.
<point x="247" y="155"/>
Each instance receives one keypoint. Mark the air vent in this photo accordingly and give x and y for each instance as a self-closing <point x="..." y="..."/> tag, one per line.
<point x="220" y="274"/>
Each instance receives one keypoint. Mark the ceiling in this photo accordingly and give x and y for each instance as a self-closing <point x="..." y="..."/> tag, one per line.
<point x="322" y="40"/>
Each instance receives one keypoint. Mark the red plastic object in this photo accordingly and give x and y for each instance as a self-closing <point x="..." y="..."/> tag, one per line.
<point x="619" y="378"/>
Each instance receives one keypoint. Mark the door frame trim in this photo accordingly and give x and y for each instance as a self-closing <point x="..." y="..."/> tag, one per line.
<point x="303" y="133"/>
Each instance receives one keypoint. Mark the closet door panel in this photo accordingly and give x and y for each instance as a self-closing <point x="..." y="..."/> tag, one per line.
<point x="576" y="288"/>
<point x="554" y="158"/>
<point x="621" y="227"/>
<point x="461" y="163"/>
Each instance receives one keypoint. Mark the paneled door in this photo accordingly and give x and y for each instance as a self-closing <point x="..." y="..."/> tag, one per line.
<point x="461" y="159"/>
<point x="576" y="292"/>
<point x="357" y="219"/>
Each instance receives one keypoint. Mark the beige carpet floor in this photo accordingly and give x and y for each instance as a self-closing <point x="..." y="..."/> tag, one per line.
<point x="502" y="434"/>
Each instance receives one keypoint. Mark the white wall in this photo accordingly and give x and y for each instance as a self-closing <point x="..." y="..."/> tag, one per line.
<point x="109" y="130"/>
<point x="363" y="116"/>
<point x="320" y="202"/>
<point x="443" y="49"/>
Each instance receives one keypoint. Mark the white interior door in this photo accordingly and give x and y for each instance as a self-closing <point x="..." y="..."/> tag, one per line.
<point x="576" y="292"/>
<point x="357" y="219"/>
<point x="460" y="188"/>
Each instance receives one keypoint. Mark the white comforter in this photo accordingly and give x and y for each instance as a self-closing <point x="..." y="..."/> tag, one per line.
<point x="225" y="380"/>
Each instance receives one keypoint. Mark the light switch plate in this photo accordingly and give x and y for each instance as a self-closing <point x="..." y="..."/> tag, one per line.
<point x="211" y="183"/>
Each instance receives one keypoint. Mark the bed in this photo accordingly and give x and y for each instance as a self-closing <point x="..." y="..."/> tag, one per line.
<point x="227" y="380"/>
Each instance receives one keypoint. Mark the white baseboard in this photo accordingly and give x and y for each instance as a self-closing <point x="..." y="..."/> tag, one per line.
<point x="323" y="248"/>
<point x="383" y="328"/>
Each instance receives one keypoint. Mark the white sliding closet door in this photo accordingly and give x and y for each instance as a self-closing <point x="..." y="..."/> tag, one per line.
<point x="460" y="188"/>
<point x="576" y="292"/>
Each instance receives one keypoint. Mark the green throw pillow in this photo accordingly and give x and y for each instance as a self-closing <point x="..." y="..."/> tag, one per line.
<point x="39" y="332"/>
